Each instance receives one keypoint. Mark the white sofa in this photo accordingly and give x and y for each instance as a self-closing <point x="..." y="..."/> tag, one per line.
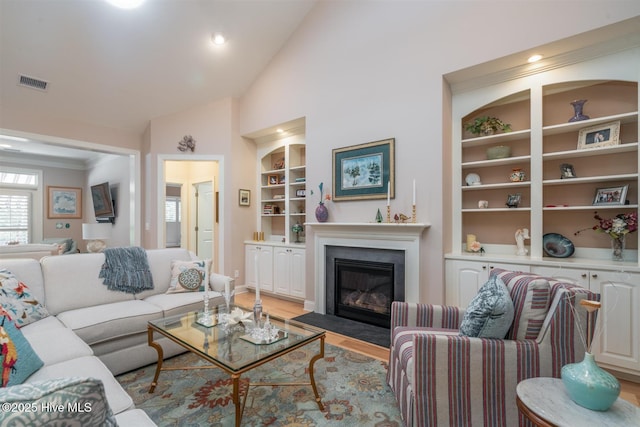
<point x="95" y="332"/>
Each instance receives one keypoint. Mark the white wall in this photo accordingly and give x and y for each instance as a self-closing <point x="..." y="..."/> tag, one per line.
<point x="364" y="71"/>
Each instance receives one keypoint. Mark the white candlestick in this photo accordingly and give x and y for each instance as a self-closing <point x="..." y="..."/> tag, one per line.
<point x="414" y="192"/>
<point x="388" y="193"/>
<point x="257" y="260"/>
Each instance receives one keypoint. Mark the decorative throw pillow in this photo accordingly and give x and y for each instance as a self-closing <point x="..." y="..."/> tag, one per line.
<point x="18" y="301"/>
<point x="531" y="296"/>
<point x="490" y="313"/>
<point x="17" y="359"/>
<point x="189" y="276"/>
<point x="85" y="394"/>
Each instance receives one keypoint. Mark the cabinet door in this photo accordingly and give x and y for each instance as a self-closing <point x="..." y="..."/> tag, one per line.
<point x="618" y="343"/>
<point x="281" y="270"/>
<point x="464" y="278"/>
<point x="297" y="284"/>
<point x="265" y="259"/>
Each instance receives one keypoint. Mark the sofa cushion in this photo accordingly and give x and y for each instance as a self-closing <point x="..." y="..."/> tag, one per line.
<point x="160" y="265"/>
<point x="17" y="359"/>
<point x="64" y="345"/>
<point x="88" y="366"/>
<point x="17" y="300"/>
<point x="109" y="321"/>
<point x="171" y="304"/>
<point x="85" y="395"/>
<point x="490" y="312"/>
<point x="189" y="276"/>
<point x="50" y="324"/>
<point x="531" y="296"/>
<point x="81" y="289"/>
<point x="27" y="270"/>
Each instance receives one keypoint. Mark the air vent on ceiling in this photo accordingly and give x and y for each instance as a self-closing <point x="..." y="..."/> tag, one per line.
<point x="32" y="83"/>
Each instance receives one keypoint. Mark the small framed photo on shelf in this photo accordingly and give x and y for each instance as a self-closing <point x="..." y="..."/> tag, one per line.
<point x="603" y="135"/>
<point x="244" y="197"/>
<point x="301" y="193"/>
<point x="611" y="196"/>
<point x="567" y="171"/>
<point x="513" y="200"/>
<point x="272" y="179"/>
<point x="282" y="179"/>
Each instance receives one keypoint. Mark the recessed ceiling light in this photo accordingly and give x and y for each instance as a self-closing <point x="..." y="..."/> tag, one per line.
<point x="534" y="58"/>
<point x="126" y="4"/>
<point x="218" y="39"/>
<point x="279" y="130"/>
<point x="5" y="145"/>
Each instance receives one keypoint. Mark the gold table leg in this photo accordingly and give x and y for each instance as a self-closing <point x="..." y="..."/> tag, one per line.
<point x="236" y="398"/>
<point x="311" y="376"/>
<point x="158" y="348"/>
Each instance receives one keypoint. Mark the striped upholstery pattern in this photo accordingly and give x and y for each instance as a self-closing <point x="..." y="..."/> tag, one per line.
<point x="531" y="297"/>
<point x="443" y="379"/>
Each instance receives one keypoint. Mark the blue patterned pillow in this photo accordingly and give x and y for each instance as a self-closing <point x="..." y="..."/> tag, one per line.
<point x="490" y="313"/>
<point x="83" y="399"/>
<point x="189" y="276"/>
<point x="17" y="359"/>
<point x="17" y="300"/>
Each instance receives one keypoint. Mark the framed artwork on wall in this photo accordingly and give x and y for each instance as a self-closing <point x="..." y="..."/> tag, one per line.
<point x="244" y="197"/>
<point x="64" y="202"/>
<point x="364" y="171"/>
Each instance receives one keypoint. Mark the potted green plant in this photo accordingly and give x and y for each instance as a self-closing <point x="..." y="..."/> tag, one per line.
<point x="486" y="125"/>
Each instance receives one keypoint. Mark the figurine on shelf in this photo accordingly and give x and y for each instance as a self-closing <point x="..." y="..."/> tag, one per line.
<point x="400" y="217"/>
<point x="521" y="235"/>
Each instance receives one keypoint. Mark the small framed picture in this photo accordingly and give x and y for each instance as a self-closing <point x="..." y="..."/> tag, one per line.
<point x="282" y="179"/>
<point x="611" y="196"/>
<point x="513" y="200"/>
<point x="272" y="179"/>
<point x="244" y="197"/>
<point x="567" y="171"/>
<point x="301" y="193"/>
<point x="603" y="135"/>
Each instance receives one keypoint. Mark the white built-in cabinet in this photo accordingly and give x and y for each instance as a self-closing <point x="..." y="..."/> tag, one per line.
<point x="538" y="107"/>
<point x="464" y="278"/>
<point x="282" y="268"/>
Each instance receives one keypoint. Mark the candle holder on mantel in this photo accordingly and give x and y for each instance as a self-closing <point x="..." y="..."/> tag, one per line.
<point x="413" y="213"/>
<point x="388" y="213"/>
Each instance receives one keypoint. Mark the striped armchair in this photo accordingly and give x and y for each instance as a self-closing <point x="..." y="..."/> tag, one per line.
<point x="443" y="379"/>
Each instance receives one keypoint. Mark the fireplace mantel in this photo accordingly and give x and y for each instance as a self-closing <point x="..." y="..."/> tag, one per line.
<point x="404" y="236"/>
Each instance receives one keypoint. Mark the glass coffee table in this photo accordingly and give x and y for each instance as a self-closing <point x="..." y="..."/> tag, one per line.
<point x="231" y="346"/>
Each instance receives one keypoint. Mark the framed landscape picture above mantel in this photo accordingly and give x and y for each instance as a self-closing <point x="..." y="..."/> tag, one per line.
<point x="364" y="171"/>
<point x="64" y="202"/>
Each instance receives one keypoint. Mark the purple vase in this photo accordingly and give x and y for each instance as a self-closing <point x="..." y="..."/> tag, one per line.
<point x="322" y="213"/>
<point x="577" y="108"/>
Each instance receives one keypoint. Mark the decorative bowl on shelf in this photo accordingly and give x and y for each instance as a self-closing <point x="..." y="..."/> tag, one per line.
<point x="498" y="152"/>
<point x="557" y="246"/>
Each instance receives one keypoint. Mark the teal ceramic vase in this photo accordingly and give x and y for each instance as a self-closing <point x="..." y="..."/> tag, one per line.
<point x="589" y="385"/>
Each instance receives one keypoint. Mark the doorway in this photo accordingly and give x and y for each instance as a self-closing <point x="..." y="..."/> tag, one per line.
<point x="200" y="178"/>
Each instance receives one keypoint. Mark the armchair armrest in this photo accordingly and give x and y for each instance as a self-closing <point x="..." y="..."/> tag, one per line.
<point x="220" y="282"/>
<point x="472" y="376"/>
<point x="425" y="315"/>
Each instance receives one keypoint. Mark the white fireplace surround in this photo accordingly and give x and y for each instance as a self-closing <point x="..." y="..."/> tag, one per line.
<point x="403" y="237"/>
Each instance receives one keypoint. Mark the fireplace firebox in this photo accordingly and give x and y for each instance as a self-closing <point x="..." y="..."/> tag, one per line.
<point x="363" y="282"/>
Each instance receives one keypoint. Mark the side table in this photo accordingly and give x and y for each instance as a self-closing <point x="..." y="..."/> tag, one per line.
<point x="545" y="402"/>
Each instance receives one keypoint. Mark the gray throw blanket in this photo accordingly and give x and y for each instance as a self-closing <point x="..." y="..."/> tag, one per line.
<point x="126" y="270"/>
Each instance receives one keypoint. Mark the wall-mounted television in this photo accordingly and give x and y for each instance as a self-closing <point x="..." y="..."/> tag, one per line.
<point x="103" y="203"/>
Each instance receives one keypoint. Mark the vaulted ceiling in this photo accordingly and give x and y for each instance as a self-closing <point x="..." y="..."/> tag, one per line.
<point x="120" y="68"/>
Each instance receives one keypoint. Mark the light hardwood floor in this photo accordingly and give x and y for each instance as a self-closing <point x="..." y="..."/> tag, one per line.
<point x="289" y="309"/>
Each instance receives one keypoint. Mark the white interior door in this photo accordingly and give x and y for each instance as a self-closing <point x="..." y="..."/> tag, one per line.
<point x="205" y="219"/>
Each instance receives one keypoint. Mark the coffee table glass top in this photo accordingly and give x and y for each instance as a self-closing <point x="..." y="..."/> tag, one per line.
<point x="231" y="345"/>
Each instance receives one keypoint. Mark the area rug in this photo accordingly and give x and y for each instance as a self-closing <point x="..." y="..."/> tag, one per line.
<point x="352" y="387"/>
<point x="351" y="328"/>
